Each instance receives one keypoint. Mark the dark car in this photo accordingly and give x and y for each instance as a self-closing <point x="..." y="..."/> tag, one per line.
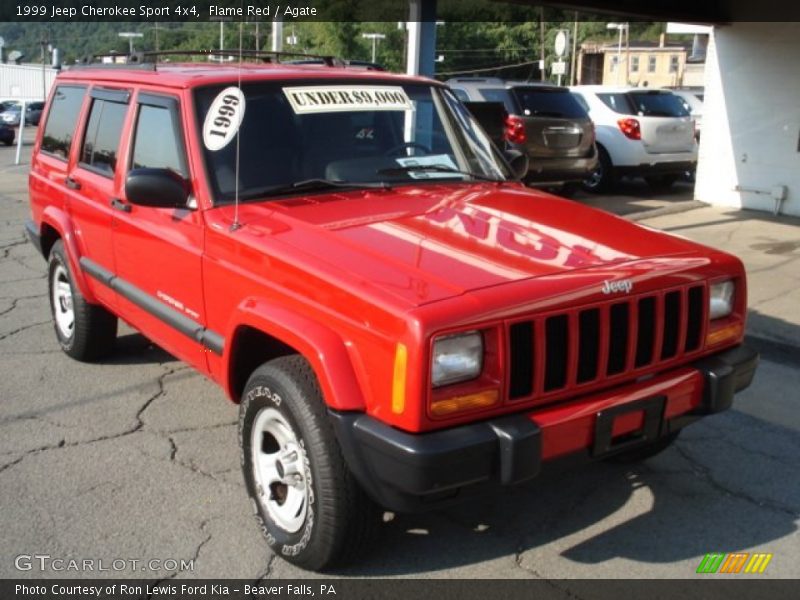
<point x="6" y="134"/>
<point x="545" y="121"/>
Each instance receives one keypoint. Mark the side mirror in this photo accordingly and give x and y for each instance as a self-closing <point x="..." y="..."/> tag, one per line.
<point x="518" y="161"/>
<point x="159" y="188"/>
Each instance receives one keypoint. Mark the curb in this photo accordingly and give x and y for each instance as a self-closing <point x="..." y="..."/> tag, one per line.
<point x="672" y="209"/>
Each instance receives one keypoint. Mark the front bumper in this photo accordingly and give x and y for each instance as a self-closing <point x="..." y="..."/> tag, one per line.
<point x="412" y="472"/>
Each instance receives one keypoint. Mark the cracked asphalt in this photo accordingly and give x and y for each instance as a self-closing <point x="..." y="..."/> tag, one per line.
<point x="136" y="458"/>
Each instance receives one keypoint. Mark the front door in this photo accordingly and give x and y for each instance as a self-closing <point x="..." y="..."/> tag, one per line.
<point x="158" y="251"/>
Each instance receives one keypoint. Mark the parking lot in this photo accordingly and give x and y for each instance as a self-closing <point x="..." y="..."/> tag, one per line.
<point x="136" y="458"/>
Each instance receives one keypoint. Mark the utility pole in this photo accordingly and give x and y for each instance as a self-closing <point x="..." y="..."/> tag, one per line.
<point x="157" y="46"/>
<point x="45" y="43"/>
<point x="573" y="79"/>
<point x="627" y="54"/>
<point x="258" y="47"/>
<point x="541" y="45"/>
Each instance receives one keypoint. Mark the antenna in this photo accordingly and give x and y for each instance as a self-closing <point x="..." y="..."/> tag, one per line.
<point x="236" y="224"/>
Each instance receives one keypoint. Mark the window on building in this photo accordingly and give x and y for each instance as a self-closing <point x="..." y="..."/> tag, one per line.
<point x="614" y="63"/>
<point x="157" y="142"/>
<point x="651" y="64"/>
<point x="102" y="136"/>
<point x="60" y="126"/>
<point x="634" y="64"/>
<point x="674" y="61"/>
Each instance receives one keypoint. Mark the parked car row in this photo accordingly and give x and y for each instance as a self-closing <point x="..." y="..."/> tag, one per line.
<point x="11" y="112"/>
<point x="589" y="134"/>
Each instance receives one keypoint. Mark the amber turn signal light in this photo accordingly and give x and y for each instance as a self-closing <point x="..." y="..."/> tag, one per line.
<point x="448" y="406"/>
<point x="724" y="334"/>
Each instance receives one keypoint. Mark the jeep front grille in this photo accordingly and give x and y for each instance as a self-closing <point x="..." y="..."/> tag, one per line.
<point x="590" y="345"/>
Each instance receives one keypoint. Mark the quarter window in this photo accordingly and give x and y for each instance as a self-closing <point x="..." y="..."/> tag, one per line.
<point x="616" y="102"/>
<point x="156" y="142"/>
<point x="60" y="126"/>
<point x="461" y="94"/>
<point x="102" y="137"/>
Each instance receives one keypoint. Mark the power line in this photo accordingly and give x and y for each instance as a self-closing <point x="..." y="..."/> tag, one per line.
<point x="489" y="68"/>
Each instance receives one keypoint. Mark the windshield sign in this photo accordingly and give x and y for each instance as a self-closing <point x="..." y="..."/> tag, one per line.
<point x="338" y="136"/>
<point x="346" y="98"/>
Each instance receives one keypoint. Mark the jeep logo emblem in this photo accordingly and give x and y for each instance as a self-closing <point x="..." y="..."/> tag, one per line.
<point x="611" y="287"/>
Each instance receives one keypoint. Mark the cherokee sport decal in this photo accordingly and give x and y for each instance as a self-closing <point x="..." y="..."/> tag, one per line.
<point x="340" y="98"/>
<point x="223" y="118"/>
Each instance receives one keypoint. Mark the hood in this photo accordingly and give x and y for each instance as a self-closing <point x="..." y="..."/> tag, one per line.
<point x="431" y="242"/>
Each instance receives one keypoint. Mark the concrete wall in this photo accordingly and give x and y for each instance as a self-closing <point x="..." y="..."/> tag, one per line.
<point x="751" y="117"/>
<point x="24" y="82"/>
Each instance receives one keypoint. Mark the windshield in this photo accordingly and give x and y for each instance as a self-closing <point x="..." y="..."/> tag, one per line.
<point x="345" y="132"/>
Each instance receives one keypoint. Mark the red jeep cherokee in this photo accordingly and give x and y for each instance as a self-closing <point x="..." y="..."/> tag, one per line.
<point x="353" y="261"/>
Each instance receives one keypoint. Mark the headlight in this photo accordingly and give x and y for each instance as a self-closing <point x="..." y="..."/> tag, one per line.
<point x="720" y="300"/>
<point x="456" y="358"/>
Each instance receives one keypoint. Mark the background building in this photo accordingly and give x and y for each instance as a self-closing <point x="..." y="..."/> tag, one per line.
<point x="29" y="82"/>
<point x="646" y="64"/>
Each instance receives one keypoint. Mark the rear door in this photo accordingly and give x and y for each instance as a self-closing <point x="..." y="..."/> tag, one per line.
<point x="93" y="181"/>
<point x="666" y="125"/>
<point x="555" y="123"/>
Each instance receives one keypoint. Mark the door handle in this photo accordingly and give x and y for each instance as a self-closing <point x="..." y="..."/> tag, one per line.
<point x="120" y="205"/>
<point x="72" y="184"/>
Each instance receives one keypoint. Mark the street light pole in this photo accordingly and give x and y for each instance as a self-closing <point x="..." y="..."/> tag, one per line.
<point x="619" y="27"/>
<point x="374" y="37"/>
<point x="130" y="35"/>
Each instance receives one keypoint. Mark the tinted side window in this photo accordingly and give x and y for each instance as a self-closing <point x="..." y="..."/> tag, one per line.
<point x="156" y="143"/>
<point x="103" y="135"/>
<point x="582" y="101"/>
<point x="461" y="94"/>
<point x="616" y="102"/>
<point x="61" y="120"/>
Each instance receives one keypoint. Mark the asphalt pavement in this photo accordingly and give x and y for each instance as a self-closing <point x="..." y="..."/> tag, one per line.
<point x="136" y="458"/>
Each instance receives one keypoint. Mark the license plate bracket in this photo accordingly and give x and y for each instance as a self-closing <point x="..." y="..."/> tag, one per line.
<point x="604" y="443"/>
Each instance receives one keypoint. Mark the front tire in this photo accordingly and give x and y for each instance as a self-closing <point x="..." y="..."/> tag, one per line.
<point x="603" y="177"/>
<point x="309" y="506"/>
<point x="85" y="331"/>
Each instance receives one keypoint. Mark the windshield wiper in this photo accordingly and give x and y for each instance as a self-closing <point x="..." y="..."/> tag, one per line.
<point x="309" y="185"/>
<point x="436" y="169"/>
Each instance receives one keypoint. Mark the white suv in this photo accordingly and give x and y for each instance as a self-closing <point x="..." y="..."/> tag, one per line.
<point x="640" y="132"/>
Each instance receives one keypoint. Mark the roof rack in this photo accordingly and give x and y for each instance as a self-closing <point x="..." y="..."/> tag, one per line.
<point x="148" y="60"/>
